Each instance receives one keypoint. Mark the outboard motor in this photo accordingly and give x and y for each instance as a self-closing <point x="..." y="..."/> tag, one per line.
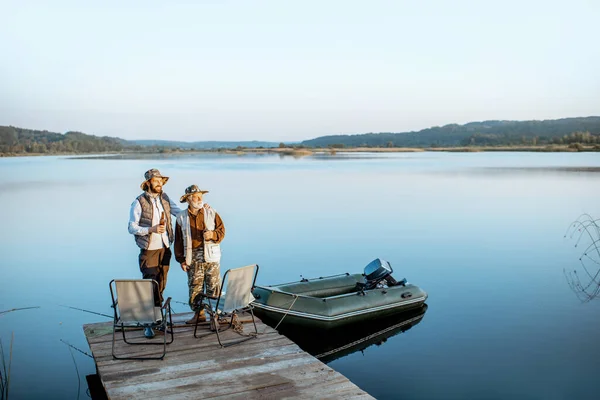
<point x="379" y="272"/>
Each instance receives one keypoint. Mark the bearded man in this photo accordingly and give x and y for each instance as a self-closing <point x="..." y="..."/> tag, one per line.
<point x="198" y="233"/>
<point x="150" y="223"/>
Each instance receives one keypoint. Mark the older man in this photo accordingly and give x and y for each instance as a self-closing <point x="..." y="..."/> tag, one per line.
<point x="198" y="232"/>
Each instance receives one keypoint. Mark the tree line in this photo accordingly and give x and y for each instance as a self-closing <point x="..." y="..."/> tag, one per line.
<point x="20" y="141"/>
<point x="15" y="140"/>
<point x="574" y="132"/>
<point x="481" y="139"/>
<point x="585" y="130"/>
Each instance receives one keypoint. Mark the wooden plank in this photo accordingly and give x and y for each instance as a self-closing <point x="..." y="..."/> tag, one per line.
<point x="184" y="333"/>
<point x="231" y="382"/>
<point x="103" y="355"/>
<point x="213" y="382"/>
<point x="195" y="353"/>
<point x="192" y="364"/>
<point x="265" y="367"/>
<point x="103" y="332"/>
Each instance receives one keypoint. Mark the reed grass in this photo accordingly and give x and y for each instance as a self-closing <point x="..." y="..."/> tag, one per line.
<point x="4" y="372"/>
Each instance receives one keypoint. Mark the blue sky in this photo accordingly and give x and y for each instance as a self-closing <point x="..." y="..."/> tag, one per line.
<point x="293" y="70"/>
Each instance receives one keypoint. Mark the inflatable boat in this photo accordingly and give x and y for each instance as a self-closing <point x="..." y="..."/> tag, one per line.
<point x="339" y="299"/>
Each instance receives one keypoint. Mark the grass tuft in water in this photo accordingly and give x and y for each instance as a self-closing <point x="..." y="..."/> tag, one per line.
<point x="4" y="372"/>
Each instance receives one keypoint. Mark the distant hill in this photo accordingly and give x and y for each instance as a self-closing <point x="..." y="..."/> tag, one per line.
<point x="486" y="133"/>
<point x="15" y="140"/>
<point x="203" y="144"/>
<point x="584" y="130"/>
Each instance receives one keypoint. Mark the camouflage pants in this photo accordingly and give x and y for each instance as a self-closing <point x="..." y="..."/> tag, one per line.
<point x="202" y="273"/>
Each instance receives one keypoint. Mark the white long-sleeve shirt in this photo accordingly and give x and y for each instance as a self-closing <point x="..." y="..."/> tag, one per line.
<point x="157" y="240"/>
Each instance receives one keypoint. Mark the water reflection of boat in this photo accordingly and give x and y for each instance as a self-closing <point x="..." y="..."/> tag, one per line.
<point x="340" y="299"/>
<point x="334" y="343"/>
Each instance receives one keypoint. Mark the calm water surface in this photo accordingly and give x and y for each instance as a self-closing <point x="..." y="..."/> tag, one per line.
<point x="482" y="233"/>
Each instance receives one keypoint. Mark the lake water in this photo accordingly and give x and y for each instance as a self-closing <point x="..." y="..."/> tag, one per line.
<point x="482" y="233"/>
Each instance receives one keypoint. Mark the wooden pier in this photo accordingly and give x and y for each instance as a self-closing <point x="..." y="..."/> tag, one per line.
<point x="268" y="367"/>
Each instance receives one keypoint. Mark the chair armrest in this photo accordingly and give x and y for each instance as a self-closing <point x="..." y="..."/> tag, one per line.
<point x="167" y="303"/>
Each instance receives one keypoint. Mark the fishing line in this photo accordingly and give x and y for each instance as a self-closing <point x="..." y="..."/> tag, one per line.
<point x="73" y="347"/>
<point x="588" y="227"/>
<point x="76" y="370"/>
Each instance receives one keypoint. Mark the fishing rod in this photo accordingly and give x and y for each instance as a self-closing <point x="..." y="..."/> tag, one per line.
<point x="17" y="309"/>
<point x="87" y="311"/>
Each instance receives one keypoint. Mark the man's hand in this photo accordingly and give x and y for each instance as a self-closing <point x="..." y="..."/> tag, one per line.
<point x="209" y="235"/>
<point x="157" y="229"/>
<point x="184" y="267"/>
<point x="207" y="206"/>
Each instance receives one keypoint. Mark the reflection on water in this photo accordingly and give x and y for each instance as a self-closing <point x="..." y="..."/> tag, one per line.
<point x="552" y="169"/>
<point x="297" y="154"/>
<point x="585" y="279"/>
<point x="335" y="343"/>
<point x="157" y="156"/>
<point x="488" y="247"/>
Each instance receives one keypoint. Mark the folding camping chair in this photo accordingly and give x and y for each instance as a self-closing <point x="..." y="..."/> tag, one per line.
<point x="134" y="307"/>
<point x="236" y="298"/>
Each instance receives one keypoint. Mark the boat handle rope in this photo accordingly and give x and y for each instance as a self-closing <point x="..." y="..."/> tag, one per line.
<point x="284" y="315"/>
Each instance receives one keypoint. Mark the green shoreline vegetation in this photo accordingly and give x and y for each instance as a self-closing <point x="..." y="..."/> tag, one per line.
<point x="562" y="135"/>
<point x="302" y="152"/>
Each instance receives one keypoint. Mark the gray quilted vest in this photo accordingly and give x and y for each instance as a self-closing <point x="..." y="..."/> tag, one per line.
<point x="146" y="217"/>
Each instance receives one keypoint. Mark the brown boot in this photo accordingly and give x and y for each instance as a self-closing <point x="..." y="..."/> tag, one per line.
<point x="199" y="316"/>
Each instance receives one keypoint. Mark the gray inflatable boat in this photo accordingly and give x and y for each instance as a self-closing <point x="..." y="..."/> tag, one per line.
<point x="337" y="300"/>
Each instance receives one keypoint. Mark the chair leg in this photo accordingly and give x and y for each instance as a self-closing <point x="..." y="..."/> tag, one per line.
<point x="113" y="341"/>
<point x="218" y="329"/>
<point x="164" y="344"/>
<point x="165" y="327"/>
<point x="215" y="320"/>
<point x="246" y="338"/>
<point x="196" y="328"/>
<point x="172" y="327"/>
<point x="253" y="321"/>
<point x="124" y="338"/>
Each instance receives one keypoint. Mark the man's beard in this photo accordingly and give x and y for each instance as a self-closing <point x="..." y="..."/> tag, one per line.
<point x="155" y="189"/>
<point x="196" y="205"/>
